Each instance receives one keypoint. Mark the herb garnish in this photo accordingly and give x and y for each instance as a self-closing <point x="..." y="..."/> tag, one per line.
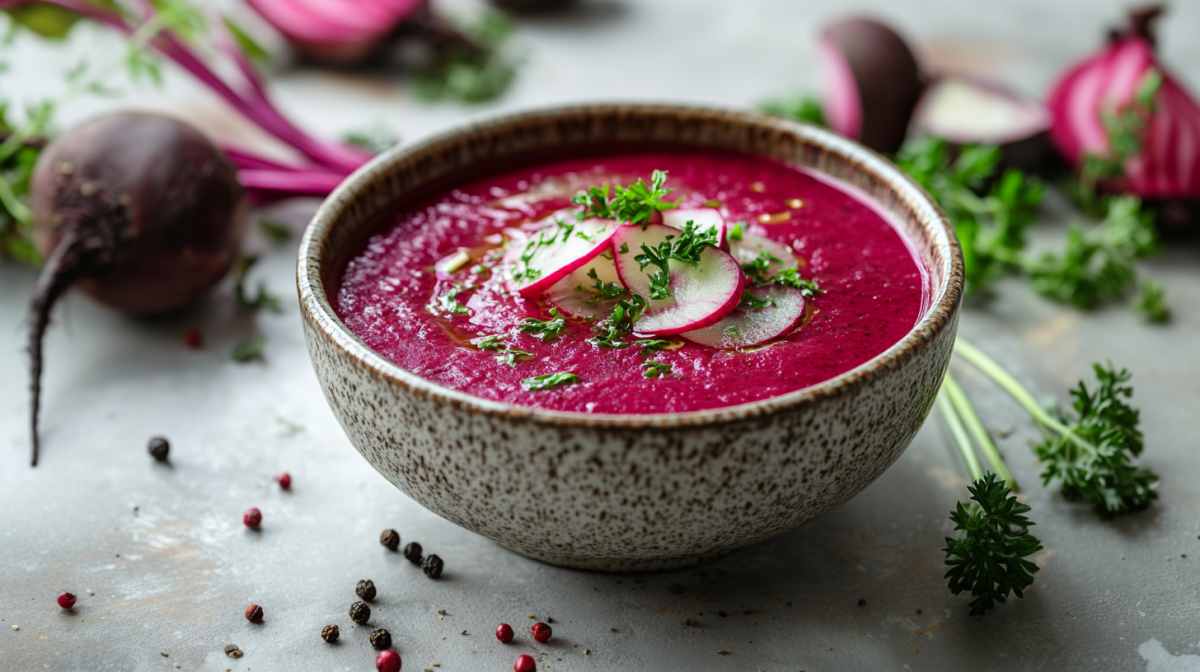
<point x="752" y="301"/>
<point x="249" y="349"/>
<point x="548" y="330"/>
<point x="650" y="346"/>
<point x="449" y="303"/>
<point x="757" y="269"/>
<point x="505" y="354"/>
<point x="600" y="290"/>
<point x="263" y="299"/>
<point x="655" y="369"/>
<point x="790" y="277"/>
<point x="685" y="247"/>
<point x="736" y="231"/>
<point x="550" y="380"/>
<point x="619" y="322"/>
<point x="1126" y="130"/>
<point x="1150" y="303"/>
<point x="632" y="205"/>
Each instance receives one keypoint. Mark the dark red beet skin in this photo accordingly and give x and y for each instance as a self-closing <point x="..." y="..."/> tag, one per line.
<point x="141" y="212"/>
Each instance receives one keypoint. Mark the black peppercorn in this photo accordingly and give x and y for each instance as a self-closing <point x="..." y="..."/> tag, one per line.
<point x="381" y="639"/>
<point x="159" y="448"/>
<point x="413" y="553"/>
<point x="432" y="566"/>
<point x="330" y="633"/>
<point x="390" y="538"/>
<point x="366" y="590"/>
<point x="360" y="613"/>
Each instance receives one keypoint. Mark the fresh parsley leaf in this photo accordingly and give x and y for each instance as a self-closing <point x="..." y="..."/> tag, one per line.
<point x="736" y="231"/>
<point x="752" y="301"/>
<point x="601" y="291"/>
<point x="548" y="330"/>
<point x="263" y="299"/>
<point x="988" y="558"/>
<point x="619" y="322"/>
<point x="655" y="369"/>
<point x="1152" y="304"/>
<point x="249" y="349"/>
<point x="448" y="302"/>
<point x="468" y="61"/>
<point x="650" y="346"/>
<point x="246" y="42"/>
<point x="685" y="247"/>
<point x="732" y="332"/>
<point x="790" y="277"/>
<point x="1126" y="129"/>
<point x="505" y="354"/>
<point x="756" y="269"/>
<point x="1092" y="460"/>
<point x="375" y="138"/>
<point x="550" y="380"/>
<point x="801" y="108"/>
<point x="277" y="233"/>
<point x="631" y="205"/>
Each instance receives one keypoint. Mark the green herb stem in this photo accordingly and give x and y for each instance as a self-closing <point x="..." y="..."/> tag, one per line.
<point x="959" y="432"/>
<point x="974" y="426"/>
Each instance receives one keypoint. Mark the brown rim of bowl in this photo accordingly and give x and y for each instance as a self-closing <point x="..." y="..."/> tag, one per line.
<point x="938" y="317"/>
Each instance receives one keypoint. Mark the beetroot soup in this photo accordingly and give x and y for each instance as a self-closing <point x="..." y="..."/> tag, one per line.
<point x="647" y="281"/>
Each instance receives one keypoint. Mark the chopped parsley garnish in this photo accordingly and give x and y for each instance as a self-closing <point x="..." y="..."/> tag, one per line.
<point x="650" y="346"/>
<point x="736" y="231"/>
<point x="624" y="248"/>
<point x="790" y="277"/>
<point x="619" y="322"/>
<point x="601" y="291"/>
<point x="757" y="268"/>
<point x="511" y="355"/>
<point x="655" y="369"/>
<point x="732" y="332"/>
<point x="753" y="302"/>
<point x="260" y="300"/>
<point x="685" y="247"/>
<point x="491" y="342"/>
<point x="449" y="303"/>
<point x="249" y="349"/>
<point x="633" y="204"/>
<point x="549" y="380"/>
<point x="505" y="354"/>
<point x="548" y="330"/>
<point x="1150" y="303"/>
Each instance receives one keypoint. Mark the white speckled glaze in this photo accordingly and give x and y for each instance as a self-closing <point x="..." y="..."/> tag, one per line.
<point x="629" y="492"/>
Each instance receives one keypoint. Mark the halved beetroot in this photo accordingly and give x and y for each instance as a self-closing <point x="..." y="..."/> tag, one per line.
<point x="577" y="295"/>
<point x="703" y="218"/>
<point x="872" y="81"/>
<point x="746" y="327"/>
<point x="703" y="293"/>
<point x="539" y="262"/>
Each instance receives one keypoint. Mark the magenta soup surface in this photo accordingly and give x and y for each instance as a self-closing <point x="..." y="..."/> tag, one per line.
<point x="874" y="286"/>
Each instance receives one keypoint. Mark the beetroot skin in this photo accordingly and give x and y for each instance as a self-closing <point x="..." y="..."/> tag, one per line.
<point x="141" y="212"/>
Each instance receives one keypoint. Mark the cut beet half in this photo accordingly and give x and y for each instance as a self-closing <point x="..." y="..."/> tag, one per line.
<point x="965" y="110"/>
<point x="703" y="218"/>
<point x="578" y="296"/>
<point x="702" y="294"/>
<point x="538" y="263"/>
<point x="745" y="327"/>
<point x="752" y="247"/>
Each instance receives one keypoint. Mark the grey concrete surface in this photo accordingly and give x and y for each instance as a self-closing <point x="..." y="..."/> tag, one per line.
<point x="171" y="567"/>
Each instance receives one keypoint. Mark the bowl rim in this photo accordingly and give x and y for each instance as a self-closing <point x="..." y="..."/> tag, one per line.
<point x="941" y="314"/>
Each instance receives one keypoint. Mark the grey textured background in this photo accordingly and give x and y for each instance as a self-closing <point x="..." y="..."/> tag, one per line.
<point x="172" y="568"/>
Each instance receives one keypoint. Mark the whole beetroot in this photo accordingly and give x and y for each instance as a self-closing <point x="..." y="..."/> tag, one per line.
<point x="141" y="212"/>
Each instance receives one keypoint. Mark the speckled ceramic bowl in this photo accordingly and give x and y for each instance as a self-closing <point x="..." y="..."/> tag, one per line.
<point x="628" y="492"/>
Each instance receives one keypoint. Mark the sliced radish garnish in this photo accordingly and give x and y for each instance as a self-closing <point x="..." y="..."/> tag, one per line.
<point x="577" y="295"/>
<point x="703" y="218"/>
<point x="745" y="327"/>
<point x="702" y="294"/>
<point x="752" y="247"/>
<point x="551" y="254"/>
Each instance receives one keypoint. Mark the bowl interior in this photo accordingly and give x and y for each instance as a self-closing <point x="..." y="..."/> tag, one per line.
<point x="356" y="208"/>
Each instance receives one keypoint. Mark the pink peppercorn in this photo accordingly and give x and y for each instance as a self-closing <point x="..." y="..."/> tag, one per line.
<point x="504" y="633"/>
<point x="388" y="661"/>
<point x="284" y="480"/>
<point x="252" y="518"/>
<point x="193" y="339"/>
<point x="66" y="600"/>
<point x="525" y="663"/>
<point x="541" y="632"/>
<point x="254" y="613"/>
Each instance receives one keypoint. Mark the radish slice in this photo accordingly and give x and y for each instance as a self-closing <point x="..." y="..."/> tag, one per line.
<point x="703" y="293"/>
<point x="703" y="218"/>
<point x="744" y="328"/>
<point x="576" y="295"/>
<point x="751" y="247"/>
<point x="554" y="252"/>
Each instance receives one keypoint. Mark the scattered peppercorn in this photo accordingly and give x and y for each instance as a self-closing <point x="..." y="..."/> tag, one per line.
<point x="366" y="590"/>
<point x="360" y="613"/>
<point x="193" y="339"/>
<point x="504" y="633"/>
<point x="432" y="566"/>
<point x="862" y="603"/>
<point x="66" y="600"/>
<point x="381" y="639"/>
<point x="388" y="661"/>
<point x="693" y="622"/>
<point x="412" y="552"/>
<point x="252" y="518"/>
<point x="524" y="663"/>
<point x="330" y="633"/>
<point x="722" y="652"/>
<point x="254" y="613"/>
<point x="159" y="448"/>
<point x="233" y="651"/>
<point x="390" y="538"/>
<point x="541" y="632"/>
<point x="284" y="480"/>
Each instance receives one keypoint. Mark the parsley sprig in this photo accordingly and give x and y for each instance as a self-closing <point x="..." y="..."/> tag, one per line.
<point x="619" y="323"/>
<point x="505" y="354"/>
<point x="1089" y="455"/>
<point x="632" y="205"/>
<point x="262" y="299"/>
<point x="547" y="330"/>
<point x="550" y="380"/>
<point x="685" y="247"/>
